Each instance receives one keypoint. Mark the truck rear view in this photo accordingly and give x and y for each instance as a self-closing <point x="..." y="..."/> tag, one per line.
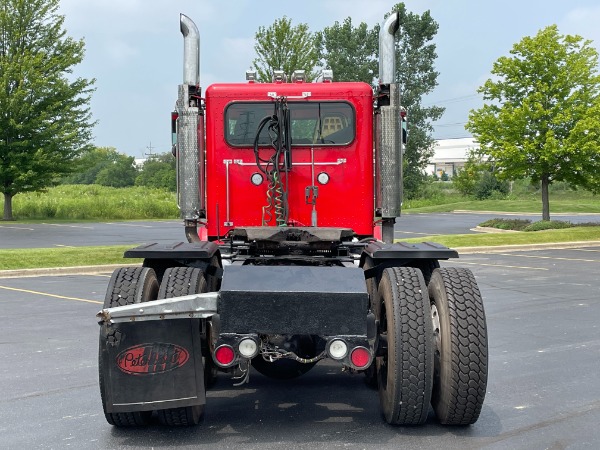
<point x="289" y="192"/>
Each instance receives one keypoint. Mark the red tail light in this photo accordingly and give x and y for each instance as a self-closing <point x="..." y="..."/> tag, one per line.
<point x="224" y="355"/>
<point x="360" y="357"/>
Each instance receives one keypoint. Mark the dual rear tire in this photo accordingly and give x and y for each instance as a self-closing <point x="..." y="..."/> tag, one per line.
<point x="432" y="346"/>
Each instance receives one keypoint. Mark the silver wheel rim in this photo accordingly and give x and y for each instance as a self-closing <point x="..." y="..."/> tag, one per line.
<point x="435" y="320"/>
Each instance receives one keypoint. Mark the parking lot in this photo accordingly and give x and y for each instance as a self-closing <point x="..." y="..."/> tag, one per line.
<point x="543" y="310"/>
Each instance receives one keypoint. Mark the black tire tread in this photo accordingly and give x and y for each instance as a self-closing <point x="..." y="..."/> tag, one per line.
<point x="414" y="373"/>
<point x="122" y="287"/>
<point x="129" y="419"/>
<point x="178" y="281"/>
<point x="467" y="384"/>
<point x="181" y="417"/>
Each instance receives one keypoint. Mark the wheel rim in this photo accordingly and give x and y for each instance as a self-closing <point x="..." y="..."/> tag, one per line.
<point x="437" y="340"/>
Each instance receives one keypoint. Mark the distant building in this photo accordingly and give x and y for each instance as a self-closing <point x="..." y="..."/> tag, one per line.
<point x="450" y="155"/>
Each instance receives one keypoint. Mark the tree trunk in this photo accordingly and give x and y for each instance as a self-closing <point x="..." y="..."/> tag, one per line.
<point x="545" y="199"/>
<point x="8" y="215"/>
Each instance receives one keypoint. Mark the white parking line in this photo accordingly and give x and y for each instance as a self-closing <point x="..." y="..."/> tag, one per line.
<point x="17" y="228"/>
<point x="46" y="294"/>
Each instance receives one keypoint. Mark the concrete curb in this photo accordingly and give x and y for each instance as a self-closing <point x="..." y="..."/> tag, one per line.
<point x="492" y="230"/>
<point x="94" y="270"/>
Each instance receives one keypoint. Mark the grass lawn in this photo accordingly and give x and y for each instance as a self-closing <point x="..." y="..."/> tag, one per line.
<point x="585" y="205"/>
<point x="517" y="238"/>
<point x="32" y="258"/>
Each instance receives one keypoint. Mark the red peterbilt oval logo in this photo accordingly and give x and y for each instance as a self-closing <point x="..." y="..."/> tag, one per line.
<point x="151" y="359"/>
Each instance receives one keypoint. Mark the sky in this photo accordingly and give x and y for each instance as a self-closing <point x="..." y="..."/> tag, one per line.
<point x="134" y="51"/>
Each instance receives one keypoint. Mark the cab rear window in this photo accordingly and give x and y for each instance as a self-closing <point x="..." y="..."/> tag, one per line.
<point x="314" y="123"/>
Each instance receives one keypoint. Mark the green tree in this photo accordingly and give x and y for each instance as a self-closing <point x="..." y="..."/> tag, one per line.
<point x="542" y="120"/>
<point x="479" y="179"/>
<point x="103" y="165"/>
<point x="158" y="172"/>
<point x="89" y="163"/>
<point x="415" y="73"/>
<point x="351" y="52"/>
<point x="286" y="47"/>
<point x="45" y="119"/>
<point x="121" y="172"/>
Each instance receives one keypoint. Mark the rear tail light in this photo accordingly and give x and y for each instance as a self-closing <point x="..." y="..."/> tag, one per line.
<point x="224" y="355"/>
<point x="360" y="357"/>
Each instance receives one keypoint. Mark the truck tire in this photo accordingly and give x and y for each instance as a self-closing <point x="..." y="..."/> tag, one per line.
<point x="371" y="372"/>
<point x="127" y="286"/>
<point x="181" y="417"/>
<point x="405" y="371"/>
<point x="178" y="281"/>
<point x="461" y="346"/>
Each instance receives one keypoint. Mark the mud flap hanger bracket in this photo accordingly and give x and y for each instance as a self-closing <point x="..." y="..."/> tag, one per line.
<point x="195" y="306"/>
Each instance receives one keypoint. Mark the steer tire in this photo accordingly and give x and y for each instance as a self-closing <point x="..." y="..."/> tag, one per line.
<point x="461" y="346"/>
<point x="176" y="282"/>
<point x="405" y="370"/>
<point x="127" y="286"/>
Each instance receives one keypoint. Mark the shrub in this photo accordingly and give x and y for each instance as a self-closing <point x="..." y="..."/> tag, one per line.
<point x="548" y="225"/>
<point x="506" y="224"/>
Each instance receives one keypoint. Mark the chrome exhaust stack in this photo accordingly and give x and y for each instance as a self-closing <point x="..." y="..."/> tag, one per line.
<point x="387" y="49"/>
<point x="191" y="51"/>
<point x="190" y="134"/>
<point x="388" y="128"/>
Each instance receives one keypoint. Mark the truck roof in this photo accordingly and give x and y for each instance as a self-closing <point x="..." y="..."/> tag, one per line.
<point x="293" y="91"/>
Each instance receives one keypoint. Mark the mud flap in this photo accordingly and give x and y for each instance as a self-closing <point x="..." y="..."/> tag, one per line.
<point x="151" y="365"/>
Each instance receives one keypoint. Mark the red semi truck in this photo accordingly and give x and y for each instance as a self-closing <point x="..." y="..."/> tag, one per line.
<point x="289" y="192"/>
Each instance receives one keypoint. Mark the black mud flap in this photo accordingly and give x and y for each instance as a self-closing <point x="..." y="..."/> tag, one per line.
<point x="151" y="365"/>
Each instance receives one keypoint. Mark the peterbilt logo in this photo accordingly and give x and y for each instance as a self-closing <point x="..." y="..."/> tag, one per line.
<point x="151" y="359"/>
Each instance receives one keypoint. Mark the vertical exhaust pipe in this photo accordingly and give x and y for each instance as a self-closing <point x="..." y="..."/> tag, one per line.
<point x="190" y="134"/>
<point x="191" y="51"/>
<point x="389" y="131"/>
<point x="387" y="49"/>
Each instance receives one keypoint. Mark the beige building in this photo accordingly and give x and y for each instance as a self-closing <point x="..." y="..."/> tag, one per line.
<point x="450" y="155"/>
